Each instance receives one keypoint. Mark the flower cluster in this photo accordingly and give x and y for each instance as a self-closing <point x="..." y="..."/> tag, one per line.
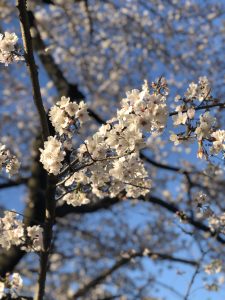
<point x="148" y="111"/>
<point x="52" y="155"/>
<point x="8" y="49"/>
<point x="8" y="161"/>
<point x="114" y="149"/>
<point x="112" y="153"/>
<point x="204" y="131"/>
<point x="201" y="127"/>
<point x="109" y="177"/>
<point x="35" y="238"/>
<point x="182" y="117"/>
<point x="109" y="161"/>
<point x="218" y="144"/>
<point x="14" y="233"/>
<point x="11" y="285"/>
<point x="67" y="116"/>
<point x="76" y="198"/>
<point x="217" y="223"/>
<point x="136" y="182"/>
<point x="214" y="267"/>
<point x="205" y="126"/>
<point x="200" y="90"/>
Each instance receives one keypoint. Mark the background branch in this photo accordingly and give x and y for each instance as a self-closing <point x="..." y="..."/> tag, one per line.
<point x="127" y="257"/>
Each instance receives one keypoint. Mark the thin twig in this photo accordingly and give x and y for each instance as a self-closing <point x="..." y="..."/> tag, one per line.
<point x="220" y="105"/>
<point x="197" y="270"/>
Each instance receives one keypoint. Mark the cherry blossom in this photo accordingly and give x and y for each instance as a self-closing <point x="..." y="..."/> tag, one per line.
<point x="8" y="49"/>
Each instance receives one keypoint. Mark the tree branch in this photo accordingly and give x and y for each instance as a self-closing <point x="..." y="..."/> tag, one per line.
<point x="50" y="192"/>
<point x="174" y="209"/>
<point x="201" y="107"/>
<point x="105" y="203"/>
<point x="11" y="183"/>
<point x="125" y="259"/>
<point x="32" y="68"/>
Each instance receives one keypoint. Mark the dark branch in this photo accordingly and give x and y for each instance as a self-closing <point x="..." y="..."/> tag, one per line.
<point x="208" y="106"/>
<point x="31" y="65"/>
<point x="174" y="209"/>
<point x="105" y="203"/>
<point x="11" y="183"/>
<point x="123" y="261"/>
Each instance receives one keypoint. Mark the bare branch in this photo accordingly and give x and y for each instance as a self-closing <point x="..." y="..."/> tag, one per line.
<point x="125" y="259"/>
<point x="11" y="183"/>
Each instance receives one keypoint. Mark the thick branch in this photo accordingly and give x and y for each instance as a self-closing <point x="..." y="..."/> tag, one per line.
<point x="47" y="236"/>
<point x="50" y="192"/>
<point x="12" y="183"/>
<point x="105" y="203"/>
<point x="32" y="68"/>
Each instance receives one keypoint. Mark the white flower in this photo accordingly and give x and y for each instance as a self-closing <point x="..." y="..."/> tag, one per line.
<point x="17" y="282"/>
<point x="66" y="116"/>
<point x="52" y="155"/>
<point x="2" y="288"/>
<point x="12" y="286"/>
<point x="200" y="91"/>
<point x="180" y="118"/>
<point x="177" y="98"/>
<point x="12" y="231"/>
<point x="35" y="233"/>
<point x="218" y="141"/>
<point x="8" y="53"/>
<point x="214" y="267"/>
<point x="147" y="110"/>
<point x="9" y="161"/>
<point x="59" y="119"/>
<point x="175" y="138"/>
<point x="191" y="91"/>
<point x="191" y="113"/>
<point x="203" y="88"/>
<point x="71" y="108"/>
<point x="12" y="166"/>
<point x="205" y="127"/>
<point x="200" y="198"/>
<point x="76" y="199"/>
<point x="64" y="101"/>
<point x="136" y="181"/>
<point x="82" y="113"/>
<point x="3" y="155"/>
